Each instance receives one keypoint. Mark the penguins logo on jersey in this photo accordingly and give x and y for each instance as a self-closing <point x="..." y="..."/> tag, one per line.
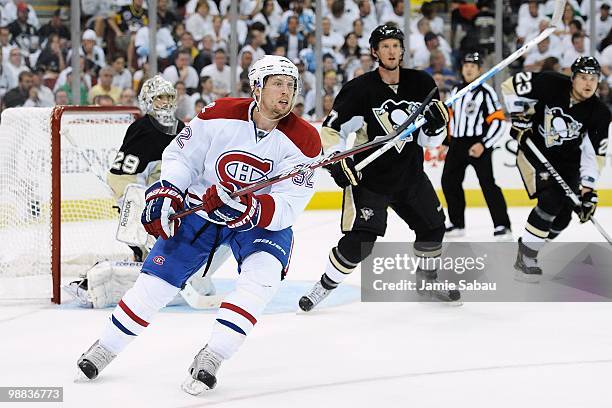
<point x="242" y="168"/>
<point x="392" y="114"/>
<point x="558" y="127"/>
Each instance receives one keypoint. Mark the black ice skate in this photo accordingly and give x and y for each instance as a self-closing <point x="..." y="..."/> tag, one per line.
<point x="93" y="361"/>
<point x="203" y="372"/>
<point x="431" y="277"/>
<point x="526" y="265"/>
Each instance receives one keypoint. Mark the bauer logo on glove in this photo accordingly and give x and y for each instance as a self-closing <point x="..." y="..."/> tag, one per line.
<point x="162" y="200"/>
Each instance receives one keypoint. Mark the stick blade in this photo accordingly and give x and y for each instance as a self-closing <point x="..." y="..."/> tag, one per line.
<point x="557" y="13"/>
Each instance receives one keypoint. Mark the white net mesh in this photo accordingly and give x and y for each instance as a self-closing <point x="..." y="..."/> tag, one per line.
<point x="89" y="143"/>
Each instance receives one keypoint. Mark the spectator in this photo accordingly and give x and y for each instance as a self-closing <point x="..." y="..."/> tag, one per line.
<point x="39" y="94"/>
<point x="5" y="39"/>
<point x="430" y="13"/>
<point x="329" y="38"/>
<point x="219" y="38"/>
<point x="306" y="18"/>
<point x="331" y="87"/>
<point x="535" y="59"/>
<point x="122" y="77"/>
<point x="367" y="17"/>
<point x="308" y="78"/>
<point x="67" y="87"/>
<point x="85" y="77"/>
<point x="528" y="24"/>
<point x="246" y="59"/>
<point x="15" y="66"/>
<point x="270" y="18"/>
<point x="23" y="34"/>
<point x="18" y="95"/>
<point x="328" y="104"/>
<point x="128" y="97"/>
<point x="551" y="64"/>
<point x="54" y="26"/>
<point x="362" y="39"/>
<point x="341" y="17"/>
<point x="165" y="46"/>
<point x="182" y="70"/>
<point x="205" y="54"/>
<point x="439" y="65"/>
<point x="603" y="23"/>
<point x="198" y="105"/>
<point x="421" y="55"/>
<point x="242" y="30"/>
<point x="205" y="90"/>
<point x="349" y="53"/>
<point x="93" y="53"/>
<point x="298" y="108"/>
<point x="257" y="39"/>
<point x="579" y="48"/>
<point x="184" y="105"/>
<point x="51" y="59"/>
<point x="125" y="24"/>
<point x="105" y="86"/>
<point x="61" y="97"/>
<point x="191" y="6"/>
<point x="5" y="81"/>
<point x="96" y="13"/>
<point x="292" y="40"/>
<point x="200" y="22"/>
<point x="103" y="100"/>
<point x="220" y="73"/>
<point x="165" y="17"/>
<point x="11" y="11"/>
<point x="280" y="50"/>
<point x="395" y="14"/>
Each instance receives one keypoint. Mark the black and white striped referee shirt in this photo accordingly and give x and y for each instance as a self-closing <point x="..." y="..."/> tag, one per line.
<point x="478" y="114"/>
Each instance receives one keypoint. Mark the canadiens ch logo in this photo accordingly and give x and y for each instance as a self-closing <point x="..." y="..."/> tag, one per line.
<point x="558" y="127"/>
<point x="242" y="168"/>
<point x="392" y="114"/>
<point x="159" y="260"/>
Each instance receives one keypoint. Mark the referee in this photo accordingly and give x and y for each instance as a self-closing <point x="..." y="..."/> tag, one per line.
<point x="477" y="122"/>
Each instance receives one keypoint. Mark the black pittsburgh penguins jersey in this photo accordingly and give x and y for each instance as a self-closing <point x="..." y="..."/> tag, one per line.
<point x="139" y="157"/>
<point x="371" y="108"/>
<point x="572" y="136"/>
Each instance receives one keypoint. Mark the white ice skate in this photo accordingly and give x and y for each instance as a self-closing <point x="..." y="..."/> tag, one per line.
<point x="314" y="297"/>
<point x="94" y="360"/>
<point x="203" y="372"/>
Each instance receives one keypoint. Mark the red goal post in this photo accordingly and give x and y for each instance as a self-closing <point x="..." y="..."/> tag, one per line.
<point x="56" y="216"/>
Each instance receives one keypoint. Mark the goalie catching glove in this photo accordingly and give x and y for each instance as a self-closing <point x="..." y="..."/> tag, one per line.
<point x="437" y="117"/>
<point x="521" y="128"/>
<point x="343" y="172"/>
<point x="588" y="206"/>
<point x="162" y="200"/>
<point x="241" y="213"/>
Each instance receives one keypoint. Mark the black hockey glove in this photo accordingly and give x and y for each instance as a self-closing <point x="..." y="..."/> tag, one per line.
<point x="521" y="128"/>
<point x="588" y="206"/>
<point x="436" y="115"/>
<point x="343" y="172"/>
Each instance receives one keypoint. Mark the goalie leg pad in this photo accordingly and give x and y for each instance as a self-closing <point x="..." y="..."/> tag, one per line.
<point x="135" y="310"/>
<point x="258" y="282"/>
<point x="108" y="281"/>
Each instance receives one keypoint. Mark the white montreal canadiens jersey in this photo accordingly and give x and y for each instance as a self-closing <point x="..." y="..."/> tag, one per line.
<point x="220" y="144"/>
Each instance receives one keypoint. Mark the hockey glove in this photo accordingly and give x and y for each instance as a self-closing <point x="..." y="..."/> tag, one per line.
<point x="162" y="200"/>
<point x="343" y="172"/>
<point x="588" y="206"/>
<point x="240" y="213"/>
<point x="521" y="128"/>
<point x="436" y="115"/>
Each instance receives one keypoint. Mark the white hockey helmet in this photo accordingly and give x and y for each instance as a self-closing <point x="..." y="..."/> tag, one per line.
<point x="151" y="90"/>
<point x="274" y="65"/>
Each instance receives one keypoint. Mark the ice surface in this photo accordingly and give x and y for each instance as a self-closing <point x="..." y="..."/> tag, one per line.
<point x="351" y="355"/>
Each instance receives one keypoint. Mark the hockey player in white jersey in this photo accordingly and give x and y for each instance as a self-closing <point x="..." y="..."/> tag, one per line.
<point x="233" y="142"/>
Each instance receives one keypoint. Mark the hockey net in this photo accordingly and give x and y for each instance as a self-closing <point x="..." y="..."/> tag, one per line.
<point x="56" y="211"/>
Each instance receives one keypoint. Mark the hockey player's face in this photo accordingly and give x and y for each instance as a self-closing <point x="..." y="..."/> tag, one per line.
<point x="276" y="96"/>
<point x="584" y="85"/>
<point x="389" y="53"/>
<point x="470" y="71"/>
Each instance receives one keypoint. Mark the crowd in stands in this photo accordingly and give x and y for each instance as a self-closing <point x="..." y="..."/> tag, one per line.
<point x="193" y="44"/>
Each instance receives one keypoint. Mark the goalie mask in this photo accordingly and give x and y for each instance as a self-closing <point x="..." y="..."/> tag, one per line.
<point x="273" y="65"/>
<point x="158" y="99"/>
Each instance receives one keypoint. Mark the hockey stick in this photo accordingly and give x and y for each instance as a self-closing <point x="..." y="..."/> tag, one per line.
<point x="556" y="19"/>
<point x="322" y="161"/>
<point x="569" y="193"/>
